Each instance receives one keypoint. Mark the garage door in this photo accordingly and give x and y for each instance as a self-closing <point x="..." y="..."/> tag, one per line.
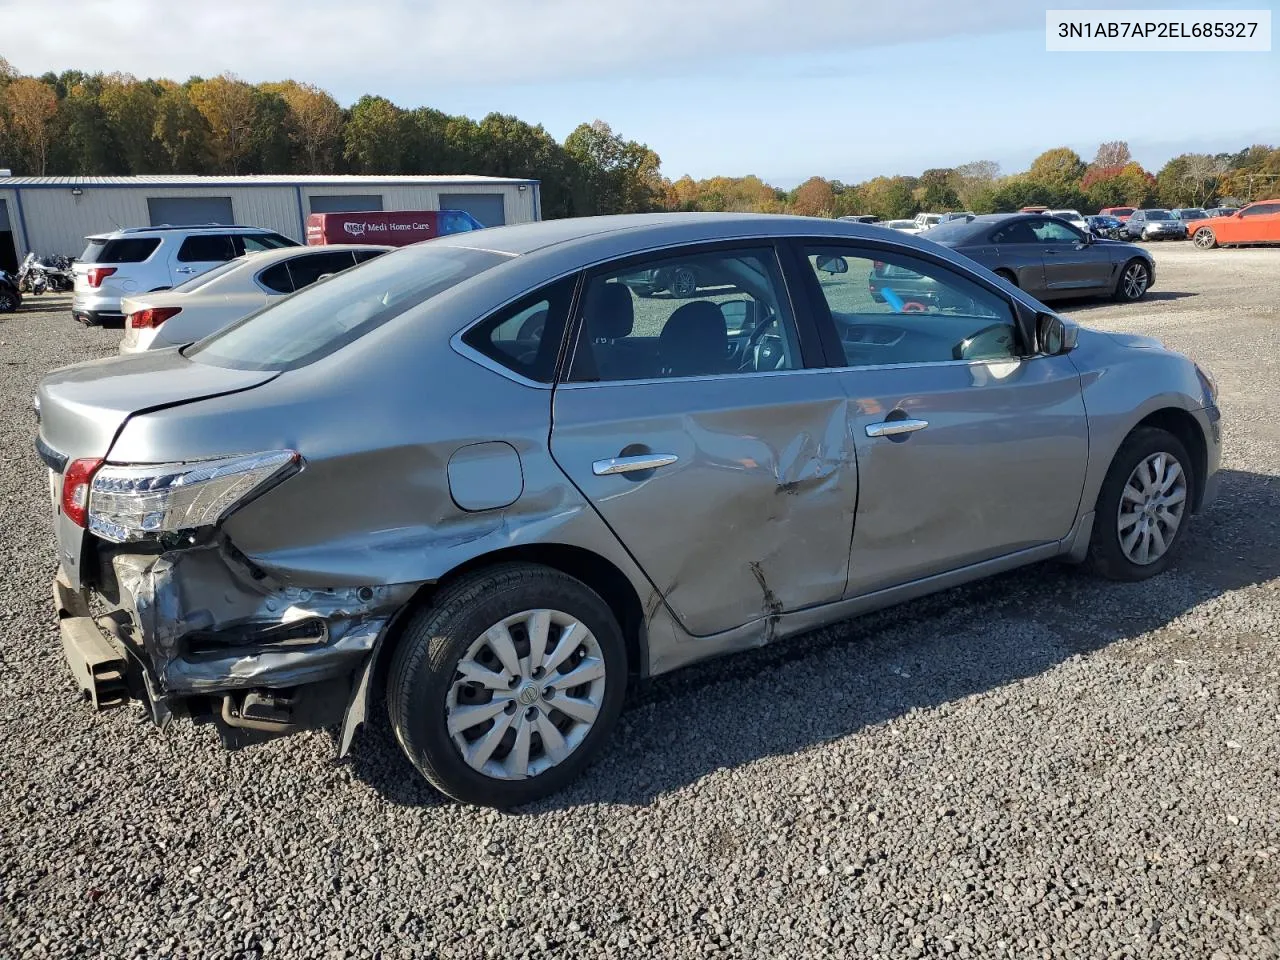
<point x="346" y="203"/>
<point x="485" y="207"/>
<point x="8" y="253"/>
<point x="185" y="211"/>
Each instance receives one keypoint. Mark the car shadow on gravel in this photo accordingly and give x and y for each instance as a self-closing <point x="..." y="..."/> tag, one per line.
<point x="1093" y="303"/>
<point x="838" y="680"/>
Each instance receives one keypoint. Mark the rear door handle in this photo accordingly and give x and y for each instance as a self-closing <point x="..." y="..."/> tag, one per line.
<point x="185" y="270"/>
<point x="891" y="428"/>
<point x="644" y="461"/>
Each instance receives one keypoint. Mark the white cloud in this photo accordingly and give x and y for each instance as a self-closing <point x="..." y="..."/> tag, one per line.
<point x="349" y="47"/>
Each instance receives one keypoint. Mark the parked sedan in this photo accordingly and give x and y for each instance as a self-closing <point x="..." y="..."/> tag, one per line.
<point x="1050" y="258"/>
<point x="501" y="481"/>
<point x="1255" y="223"/>
<point x="235" y="289"/>
<point x="1188" y="214"/>
<point x="1073" y="217"/>
<point x="1154" y="224"/>
<point x="1120" y="213"/>
<point x="902" y="226"/>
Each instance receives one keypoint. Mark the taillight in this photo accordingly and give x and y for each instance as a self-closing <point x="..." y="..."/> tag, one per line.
<point x="97" y="274"/>
<point x="75" y="489"/>
<point x="152" y="317"/>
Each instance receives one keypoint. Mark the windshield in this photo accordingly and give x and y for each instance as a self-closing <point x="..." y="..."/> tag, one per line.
<point x="1192" y="214"/>
<point x="1159" y="215"/>
<point x="200" y="279"/>
<point x="328" y="315"/>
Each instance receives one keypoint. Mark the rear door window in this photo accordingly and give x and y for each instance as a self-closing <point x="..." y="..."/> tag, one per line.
<point x="526" y="336"/>
<point x="207" y="248"/>
<point x="123" y="250"/>
<point x="1018" y="232"/>
<point x="256" y="242"/>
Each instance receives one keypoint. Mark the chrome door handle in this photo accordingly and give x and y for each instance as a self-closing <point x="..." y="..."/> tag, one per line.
<point x="891" y="428"/>
<point x="644" y="461"/>
<point x="185" y="270"/>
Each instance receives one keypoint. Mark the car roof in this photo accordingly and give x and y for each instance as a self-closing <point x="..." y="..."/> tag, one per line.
<point x="643" y="231"/>
<point x="288" y="253"/>
<point x="167" y="228"/>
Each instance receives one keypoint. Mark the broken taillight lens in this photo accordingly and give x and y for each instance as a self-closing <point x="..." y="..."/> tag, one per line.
<point x="96" y="275"/>
<point x="75" y="489"/>
<point x="139" y="502"/>
<point x="152" y="317"/>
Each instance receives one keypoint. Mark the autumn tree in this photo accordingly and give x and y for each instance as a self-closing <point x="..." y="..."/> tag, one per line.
<point x="227" y="105"/>
<point x="974" y="182"/>
<point x="314" y="125"/>
<point x="1130" y="186"/>
<point x="890" y="198"/>
<point x="30" y="108"/>
<point x="1059" y="171"/>
<point x="937" y="190"/>
<point x="813" y="198"/>
<point x="1113" y="153"/>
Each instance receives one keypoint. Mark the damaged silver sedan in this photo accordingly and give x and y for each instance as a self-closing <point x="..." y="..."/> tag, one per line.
<point x="489" y="476"/>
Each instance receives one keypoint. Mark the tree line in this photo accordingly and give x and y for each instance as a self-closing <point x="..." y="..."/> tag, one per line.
<point x="80" y="124"/>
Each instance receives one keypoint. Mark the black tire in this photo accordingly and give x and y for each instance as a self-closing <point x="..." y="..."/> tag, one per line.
<point x="1008" y="275"/>
<point x="683" y="283"/>
<point x="1124" y="292"/>
<point x="8" y="300"/>
<point x="1106" y="556"/>
<point x="437" y="637"/>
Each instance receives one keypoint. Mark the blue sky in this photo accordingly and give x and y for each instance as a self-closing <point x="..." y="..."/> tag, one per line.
<point x="784" y="90"/>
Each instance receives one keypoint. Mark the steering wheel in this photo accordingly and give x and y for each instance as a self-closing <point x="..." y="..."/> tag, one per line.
<point x="990" y="343"/>
<point x="762" y="355"/>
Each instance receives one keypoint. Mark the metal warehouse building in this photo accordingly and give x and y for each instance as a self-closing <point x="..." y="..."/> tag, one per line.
<point x="54" y="214"/>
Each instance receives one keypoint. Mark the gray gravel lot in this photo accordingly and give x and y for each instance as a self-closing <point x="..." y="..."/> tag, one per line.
<point x="1041" y="765"/>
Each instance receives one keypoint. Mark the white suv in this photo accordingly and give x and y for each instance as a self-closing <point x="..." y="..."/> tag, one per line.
<point x="142" y="259"/>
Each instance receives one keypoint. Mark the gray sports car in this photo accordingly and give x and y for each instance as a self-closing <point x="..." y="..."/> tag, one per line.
<point x="1048" y="257"/>
<point x="490" y="477"/>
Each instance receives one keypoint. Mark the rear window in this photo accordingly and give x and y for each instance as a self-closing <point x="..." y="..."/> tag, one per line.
<point x="126" y="250"/>
<point x="323" y="318"/>
<point x="951" y="230"/>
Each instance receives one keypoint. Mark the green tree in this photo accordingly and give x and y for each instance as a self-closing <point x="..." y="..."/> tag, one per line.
<point x="614" y="175"/>
<point x="1059" y="171"/>
<point x="937" y="190"/>
<point x="376" y="136"/>
<point x="270" y="148"/>
<point x="974" y="182"/>
<point x="85" y="142"/>
<point x="181" y="131"/>
<point x="130" y="110"/>
<point x="890" y="198"/>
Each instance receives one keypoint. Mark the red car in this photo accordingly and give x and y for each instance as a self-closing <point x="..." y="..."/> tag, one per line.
<point x="1120" y="213"/>
<point x="1256" y="223"/>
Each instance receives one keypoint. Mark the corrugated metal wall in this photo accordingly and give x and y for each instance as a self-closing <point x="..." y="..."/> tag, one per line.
<point x="57" y="221"/>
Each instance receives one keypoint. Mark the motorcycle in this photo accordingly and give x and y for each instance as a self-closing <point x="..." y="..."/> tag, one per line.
<point x="10" y="295"/>
<point x="36" y="275"/>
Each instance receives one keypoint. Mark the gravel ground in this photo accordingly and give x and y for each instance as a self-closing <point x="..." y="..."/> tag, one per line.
<point x="1040" y="765"/>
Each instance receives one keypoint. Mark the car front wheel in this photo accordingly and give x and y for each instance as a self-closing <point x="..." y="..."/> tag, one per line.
<point x="1142" y="508"/>
<point x="507" y="684"/>
<point x="8" y="301"/>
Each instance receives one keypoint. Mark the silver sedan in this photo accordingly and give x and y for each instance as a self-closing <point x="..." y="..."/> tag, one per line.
<point x="493" y="477"/>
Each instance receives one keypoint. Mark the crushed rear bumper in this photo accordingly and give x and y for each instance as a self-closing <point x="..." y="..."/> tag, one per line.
<point x="193" y="632"/>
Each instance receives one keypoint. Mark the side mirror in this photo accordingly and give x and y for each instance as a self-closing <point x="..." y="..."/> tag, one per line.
<point x="832" y="264"/>
<point x="1055" y="335"/>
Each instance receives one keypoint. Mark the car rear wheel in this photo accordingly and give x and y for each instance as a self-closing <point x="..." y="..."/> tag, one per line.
<point x="8" y="301"/>
<point x="507" y="684"/>
<point x="1142" y="508"/>
<point x="1135" y="279"/>
<point x="1205" y="238"/>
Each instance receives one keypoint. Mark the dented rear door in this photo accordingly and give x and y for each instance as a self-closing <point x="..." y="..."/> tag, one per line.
<point x="754" y="514"/>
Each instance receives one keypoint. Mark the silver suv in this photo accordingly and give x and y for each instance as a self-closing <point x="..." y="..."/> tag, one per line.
<point x="142" y="259"/>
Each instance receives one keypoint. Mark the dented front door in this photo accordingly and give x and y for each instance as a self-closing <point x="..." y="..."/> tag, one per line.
<point x="744" y="506"/>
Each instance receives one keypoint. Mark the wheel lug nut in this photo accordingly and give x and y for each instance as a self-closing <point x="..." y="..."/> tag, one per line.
<point x="510" y="707"/>
<point x="548" y="693"/>
<point x="531" y="713"/>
